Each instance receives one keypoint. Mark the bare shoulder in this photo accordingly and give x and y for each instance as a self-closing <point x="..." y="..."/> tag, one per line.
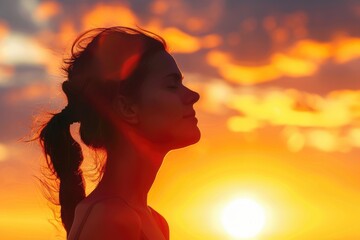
<point x="111" y="219"/>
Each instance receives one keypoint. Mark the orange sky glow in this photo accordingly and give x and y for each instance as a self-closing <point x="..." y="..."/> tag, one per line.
<point x="279" y="112"/>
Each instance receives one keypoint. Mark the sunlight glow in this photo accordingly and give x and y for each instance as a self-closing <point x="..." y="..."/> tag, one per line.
<point x="3" y="152"/>
<point x="243" y="218"/>
<point x="18" y="48"/>
<point x="242" y="124"/>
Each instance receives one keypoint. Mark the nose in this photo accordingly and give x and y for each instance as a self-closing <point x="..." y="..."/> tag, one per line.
<point x="191" y="96"/>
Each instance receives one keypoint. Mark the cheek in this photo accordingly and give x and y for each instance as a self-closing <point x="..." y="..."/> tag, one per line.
<point x="160" y="111"/>
<point x="161" y="121"/>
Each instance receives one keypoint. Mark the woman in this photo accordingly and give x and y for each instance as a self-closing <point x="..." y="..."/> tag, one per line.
<point x="126" y="91"/>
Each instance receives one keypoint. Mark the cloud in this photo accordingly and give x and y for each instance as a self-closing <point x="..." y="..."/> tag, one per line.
<point x="19" y="14"/>
<point x="295" y="53"/>
<point x="312" y="50"/>
<point x="346" y="49"/>
<point x="34" y="91"/>
<point x="106" y="15"/>
<point x="179" y="41"/>
<point x="159" y="6"/>
<point x="4" y="29"/>
<point x="17" y="48"/>
<point x="3" y="152"/>
<point x="67" y="34"/>
<point x="243" y="124"/>
<point x="302" y="59"/>
<point x="286" y="27"/>
<point x="323" y="139"/>
<point x="353" y="137"/>
<point x="294" y="108"/>
<point x="46" y="10"/>
<point x="280" y="65"/>
<point x="182" y="42"/>
<point x="45" y="49"/>
<point x="190" y="16"/>
<point x="6" y="72"/>
<point x="21" y="103"/>
<point x="309" y="120"/>
<point x="326" y="123"/>
<point x="48" y="46"/>
<point x="214" y="92"/>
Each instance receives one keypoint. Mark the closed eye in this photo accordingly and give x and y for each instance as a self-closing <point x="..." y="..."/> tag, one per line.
<point x="174" y="80"/>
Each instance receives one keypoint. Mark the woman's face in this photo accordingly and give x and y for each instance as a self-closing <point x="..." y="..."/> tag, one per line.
<point x="165" y="111"/>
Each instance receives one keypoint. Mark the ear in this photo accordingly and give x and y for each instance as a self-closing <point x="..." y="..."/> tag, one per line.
<point x="126" y="109"/>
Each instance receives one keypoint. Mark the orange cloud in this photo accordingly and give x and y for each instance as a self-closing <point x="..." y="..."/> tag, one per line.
<point x="214" y="93"/>
<point x="292" y="66"/>
<point x="323" y="140"/>
<point x="159" y="6"/>
<point x="346" y="49"/>
<point x="33" y="92"/>
<point x="312" y="50"/>
<point x="353" y="137"/>
<point x="309" y="119"/>
<point x="280" y="65"/>
<point x="103" y="15"/>
<point x="306" y="118"/>
<point x="186" y="17"/>
<point x="67" y="33"/>
<point x="243" y="124"/>
<point x="6" y="71"/>
<point x="46" y="10"/>
<point x="304" y="58"/>
<point x="295" y="139"/>
<point x="182" y="42"/>
<point x="195" y="24"/>
<point x="282" y="108"/>
<point x="283" y="28"/>
<point x="3" y="152"/>
<point x="57" y="45"/>
<point x="4" y="29"/>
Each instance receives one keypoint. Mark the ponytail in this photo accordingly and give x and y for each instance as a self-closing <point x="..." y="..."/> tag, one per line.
<point x="64" y="157"/>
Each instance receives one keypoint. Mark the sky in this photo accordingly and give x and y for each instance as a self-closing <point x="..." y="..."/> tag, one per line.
<point x="279" y="111"/>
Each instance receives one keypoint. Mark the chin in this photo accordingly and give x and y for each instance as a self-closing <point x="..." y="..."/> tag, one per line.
<point x="188" y="140"/>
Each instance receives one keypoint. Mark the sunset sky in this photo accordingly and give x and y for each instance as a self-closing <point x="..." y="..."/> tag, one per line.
<point x="279" y="111"/>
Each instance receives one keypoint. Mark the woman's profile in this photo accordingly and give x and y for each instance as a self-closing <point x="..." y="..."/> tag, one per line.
<point x="126" y="91"/>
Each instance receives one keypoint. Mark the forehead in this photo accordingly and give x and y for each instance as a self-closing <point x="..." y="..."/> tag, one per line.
<point x="162" y="64"/>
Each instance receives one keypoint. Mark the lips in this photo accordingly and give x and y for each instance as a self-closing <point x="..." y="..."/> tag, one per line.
<point x="189" y="115"/>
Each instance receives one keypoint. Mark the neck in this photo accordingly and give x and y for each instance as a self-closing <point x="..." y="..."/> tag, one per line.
<point x="130" y="171"/>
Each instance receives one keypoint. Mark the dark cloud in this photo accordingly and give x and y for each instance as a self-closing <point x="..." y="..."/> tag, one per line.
<point x="330" y="77"/>
<point x="323" y="19"/>
<point x="25" y="98"/>
<point x="15" y="121"/>
<point x="17" y="18"/>
<point x="28" y="73"/>
<point x="24" y="74"/>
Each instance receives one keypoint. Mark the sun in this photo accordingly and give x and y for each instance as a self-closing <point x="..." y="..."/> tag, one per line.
<point x="243" y="218"/>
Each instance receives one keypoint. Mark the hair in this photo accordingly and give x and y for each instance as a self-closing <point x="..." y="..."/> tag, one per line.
<point x="104" y="62"/>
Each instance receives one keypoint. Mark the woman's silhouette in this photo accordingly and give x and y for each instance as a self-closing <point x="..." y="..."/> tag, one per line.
<point x="126" y="91"/>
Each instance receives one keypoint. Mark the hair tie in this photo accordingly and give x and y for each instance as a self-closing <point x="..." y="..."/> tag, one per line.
<point x="69" y="115"/>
